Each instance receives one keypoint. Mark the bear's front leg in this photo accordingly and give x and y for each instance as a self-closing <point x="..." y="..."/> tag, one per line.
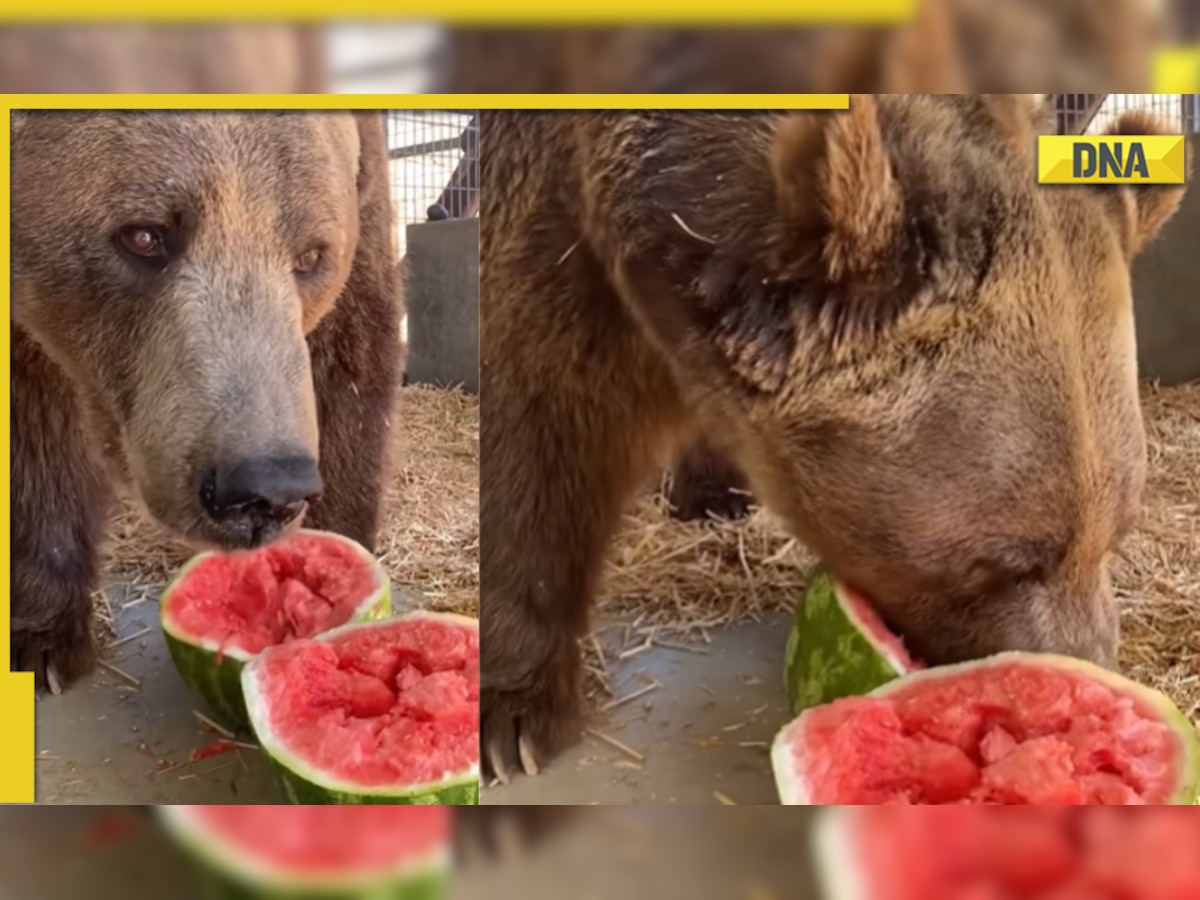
<point x="59" y="508"/>
<point x="574" y="420"/>
<point x="357" y="359"/>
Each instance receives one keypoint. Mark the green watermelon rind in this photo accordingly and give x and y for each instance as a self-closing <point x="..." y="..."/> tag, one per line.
<point x="787" y="778"/>
<point x="234" y="876"/>
<point x="219" y="886"/>
<point x="828" y="655"/>
<point x="302" y="784"/>
<point x="220" y="683"/>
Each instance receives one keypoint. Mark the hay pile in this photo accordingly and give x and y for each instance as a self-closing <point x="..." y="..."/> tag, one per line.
<point x="1157" y="574"/>
<point x="678" y="580"/>
<point x="429" y="537"/>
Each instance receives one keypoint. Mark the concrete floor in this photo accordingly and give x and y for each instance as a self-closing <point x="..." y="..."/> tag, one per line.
<point x="704" y="732"/>
<point x="701" y="736"/>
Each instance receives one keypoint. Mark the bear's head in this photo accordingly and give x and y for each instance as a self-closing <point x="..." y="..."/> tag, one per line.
<point x="926" y="363"/>
<point x="172" y="264"/>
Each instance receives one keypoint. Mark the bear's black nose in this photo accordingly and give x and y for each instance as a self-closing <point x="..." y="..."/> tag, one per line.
<point x="269" y="486"/>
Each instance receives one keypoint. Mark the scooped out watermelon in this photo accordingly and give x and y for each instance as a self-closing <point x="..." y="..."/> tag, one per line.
<point x="381" y="712"/>
<point x="1011" y="729"/>
<point x="351" y="853"/>
<point x="838" y="646"/>
<point x="222" y="609"/>
<point x="1035" y="853"/>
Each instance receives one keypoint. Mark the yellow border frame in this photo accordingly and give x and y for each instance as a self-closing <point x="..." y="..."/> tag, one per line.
<point x="477" y="12"/>
<point x="17" y="747"/>
<point x="16" y="689"/>
<point x="426" y="101"/>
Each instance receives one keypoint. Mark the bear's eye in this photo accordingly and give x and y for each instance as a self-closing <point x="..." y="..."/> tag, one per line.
<point x="307" y="261"/>
<point x="144" y="241"/>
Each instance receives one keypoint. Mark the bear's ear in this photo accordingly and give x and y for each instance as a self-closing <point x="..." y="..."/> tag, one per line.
<point x="832" y="255"/>
<point x="833" y="176"/>
<point x="1141" y="211"/>
<point x="372" y="143"/>
<point x="855" y="251"/>
<point x="1021" y="118"/>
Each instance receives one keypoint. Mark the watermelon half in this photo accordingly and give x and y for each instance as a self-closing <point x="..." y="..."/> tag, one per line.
<point x="381" y="712"/>
<point x="222" y="609"/>
<point x="1012" y="729"/>
<point x="352" y="853"/>
<point x="838" y="646"/>
<point x="1036" y="853"/>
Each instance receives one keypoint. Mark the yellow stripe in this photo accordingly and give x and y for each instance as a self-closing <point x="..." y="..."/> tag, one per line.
<point x="476" y="12"/>
<point x="428" y="101"/>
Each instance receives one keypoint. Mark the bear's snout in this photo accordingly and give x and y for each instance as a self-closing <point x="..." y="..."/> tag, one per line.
<point x="252" y="500"/>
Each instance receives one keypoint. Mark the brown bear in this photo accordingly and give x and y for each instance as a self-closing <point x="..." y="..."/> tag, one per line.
<point x="950" y="46"/>
<point x="922" y="360"/>
<point x="204" y="310"/>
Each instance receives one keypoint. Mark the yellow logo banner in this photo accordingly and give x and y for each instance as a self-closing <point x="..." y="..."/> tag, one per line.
<point x="1148" y="159"/>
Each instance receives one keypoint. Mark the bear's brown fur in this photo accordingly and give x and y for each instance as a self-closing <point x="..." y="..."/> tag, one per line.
<point x="950" y="46"/>
<point x="923" y="361"/>
<point x="147" y="373"/>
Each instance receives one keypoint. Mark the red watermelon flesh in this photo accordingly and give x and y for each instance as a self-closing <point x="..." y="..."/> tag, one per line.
<point x="1043" y="853"/>
<point x="395" y="703"/>
<point x="1012" y="733"/>
<point x="875" y="628"/>
<point x="298" y="587"/>
<point x="311" y="840"/>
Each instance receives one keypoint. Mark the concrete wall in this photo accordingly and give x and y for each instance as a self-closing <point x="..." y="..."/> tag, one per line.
<point x="1166" y="295"/>
<point x="442" y="296"/>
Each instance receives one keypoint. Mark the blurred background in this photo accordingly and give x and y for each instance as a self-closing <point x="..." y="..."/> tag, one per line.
<point x="951" y="45"/>
<point x="727" y="853"/>
<point x="121" y="853"/>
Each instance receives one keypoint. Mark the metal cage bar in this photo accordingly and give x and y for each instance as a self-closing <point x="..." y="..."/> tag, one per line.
<point x="434" y="161"/>
<point x="1093" y="113"/>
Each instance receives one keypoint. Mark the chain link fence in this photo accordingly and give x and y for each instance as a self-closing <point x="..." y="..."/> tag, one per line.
<point x="434" y="161"/>
<point x="1093" y="113"/>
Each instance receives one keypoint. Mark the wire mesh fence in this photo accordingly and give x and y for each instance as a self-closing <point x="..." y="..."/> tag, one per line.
<point x="434" y="161"/>
<point x="1093" y="113"/>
